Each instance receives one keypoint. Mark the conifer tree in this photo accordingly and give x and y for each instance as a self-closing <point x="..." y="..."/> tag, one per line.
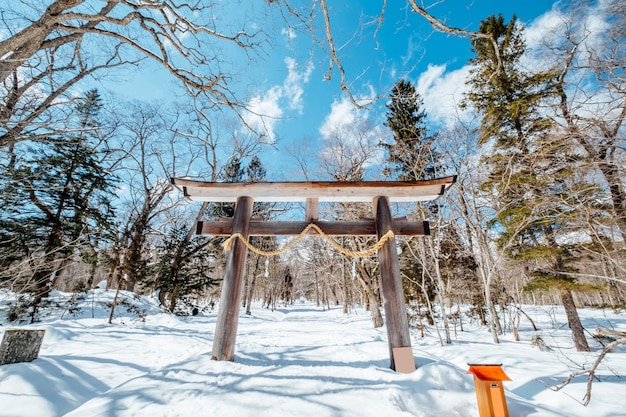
<point x="185" y="263"/>
<point x="62" y="196"/>
<point x="185" y="266"/>
<point x="411" y="157"/>
<point x="411" y="154"/>
<point x="530" y="173"/>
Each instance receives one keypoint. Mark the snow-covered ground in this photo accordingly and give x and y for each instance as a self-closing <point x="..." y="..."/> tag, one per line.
<point x="298" y="360"/>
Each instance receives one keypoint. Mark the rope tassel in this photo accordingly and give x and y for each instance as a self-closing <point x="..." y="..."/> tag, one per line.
<point x="228" y="243"/>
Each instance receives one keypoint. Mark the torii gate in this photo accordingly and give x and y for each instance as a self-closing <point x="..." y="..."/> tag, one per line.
<point x="380" y="193"/>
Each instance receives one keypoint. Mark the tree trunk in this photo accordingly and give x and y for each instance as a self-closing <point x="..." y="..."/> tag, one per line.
<point x="250" y="277"/>
<point x="430" y="315"/>
<point x="173" y="298"/>
<point x="578" y="332"/>
<point x="372" y="301"/>
<point x="440" y="288"/>
<point x="377" y="317"/>
<point x="345" y="287"/>
<point x="250" y="294"/>
<point x="317" y="289"/>
<point x="493" y="316"/>
<point x="162" y="298"/>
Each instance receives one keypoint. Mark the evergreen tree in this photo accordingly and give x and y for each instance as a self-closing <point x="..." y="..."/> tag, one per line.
<point x="233" y="172"/>
<point x="236" y="171"/>
<point x="255" y="171"/>
<point x="185" y="266"/>
<point x="529" y="172"/>
<point x="411" y="154"/>
<point x="60" y="200"/>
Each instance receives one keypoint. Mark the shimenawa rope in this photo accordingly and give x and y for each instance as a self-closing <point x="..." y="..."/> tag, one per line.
<point x="360" y="254"/>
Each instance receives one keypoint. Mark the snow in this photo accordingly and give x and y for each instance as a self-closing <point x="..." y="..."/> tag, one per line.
<point x="299" y="360"/>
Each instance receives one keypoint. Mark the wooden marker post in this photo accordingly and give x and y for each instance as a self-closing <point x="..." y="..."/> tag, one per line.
<point x="396" y="319"/>
<point x="230" y="300"/>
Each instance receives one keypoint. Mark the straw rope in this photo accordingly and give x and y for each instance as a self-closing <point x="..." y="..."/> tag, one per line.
<point x="360" y="254"/>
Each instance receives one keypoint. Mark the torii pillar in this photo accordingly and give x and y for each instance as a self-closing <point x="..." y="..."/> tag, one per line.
<point x="397" y="323"/>
<point x="230" y="300"/>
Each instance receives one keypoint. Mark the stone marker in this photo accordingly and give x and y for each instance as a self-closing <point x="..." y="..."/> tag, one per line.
<point x="20" y="346"/>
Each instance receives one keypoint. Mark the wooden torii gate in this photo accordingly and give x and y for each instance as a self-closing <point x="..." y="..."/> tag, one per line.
<point x="380" y="193"/>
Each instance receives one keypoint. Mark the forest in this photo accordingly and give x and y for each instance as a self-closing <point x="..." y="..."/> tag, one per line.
<point x="537" y="214"/>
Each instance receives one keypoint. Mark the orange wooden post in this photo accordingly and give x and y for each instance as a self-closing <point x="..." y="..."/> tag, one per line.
<point x="489" y="390"/>
<point x="230" y="300"/>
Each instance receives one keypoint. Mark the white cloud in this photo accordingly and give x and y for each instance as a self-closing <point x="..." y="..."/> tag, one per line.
<point x="293" y="85"/>
<point x="442" y="92"/>
<point x="342" y="114"/>
<point x="553" y="35"/>
<point x="345" y="116"/>
<point x="550" y="28"/>
<point x="266" y="109"/>
<point x="595" y="27"/>
<point x="350" y="129"/>
<point x="545" y="28"/>
<point x="430" y="77"/>
<point x="290" y="33"/>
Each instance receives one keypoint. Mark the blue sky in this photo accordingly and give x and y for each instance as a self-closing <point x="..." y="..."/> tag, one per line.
<point x="288" y="84"/>
<point x="405" y="46"/>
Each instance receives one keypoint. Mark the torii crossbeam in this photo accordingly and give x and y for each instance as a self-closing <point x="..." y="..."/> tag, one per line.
<point x="380" y="193"/>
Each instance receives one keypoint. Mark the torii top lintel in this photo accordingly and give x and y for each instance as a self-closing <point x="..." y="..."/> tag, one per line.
<point x="361" y="191"/>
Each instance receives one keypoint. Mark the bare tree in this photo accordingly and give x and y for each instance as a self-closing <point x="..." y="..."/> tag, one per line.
<point x="473" y="209"/>
<point x="320" y="14"/>
<point x="619" y="338"/>
<point x="145" y="172"/>
<point x="53" y="45"/>
<point x="345" y="156"/>
<point x="590" y="98"/>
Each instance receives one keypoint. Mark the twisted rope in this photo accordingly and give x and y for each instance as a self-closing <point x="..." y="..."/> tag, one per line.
<point x="360" y="254"/>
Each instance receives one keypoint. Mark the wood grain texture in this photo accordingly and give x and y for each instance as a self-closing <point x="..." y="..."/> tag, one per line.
<point x="396" y="319"/>
<point x="230" y="300"/>
<point x="362" y="191"/>
<point x="333" y="228"/>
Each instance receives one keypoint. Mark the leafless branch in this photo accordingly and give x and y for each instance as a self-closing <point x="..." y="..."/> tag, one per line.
<point x="334" y="59"/>
<point x="55" y="50"/>
<point x="439" y="26"/>
<point x="591" y="372"/>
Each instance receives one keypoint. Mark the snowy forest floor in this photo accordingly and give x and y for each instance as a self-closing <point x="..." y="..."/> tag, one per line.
<point x="299" y="360"/>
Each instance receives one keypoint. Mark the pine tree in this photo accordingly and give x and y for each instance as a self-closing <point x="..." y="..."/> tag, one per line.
<point x="411" y="154"/>
<point x="185" y="267"/>
<point x="61" y="199"/>
<point x="529" y="172"/>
